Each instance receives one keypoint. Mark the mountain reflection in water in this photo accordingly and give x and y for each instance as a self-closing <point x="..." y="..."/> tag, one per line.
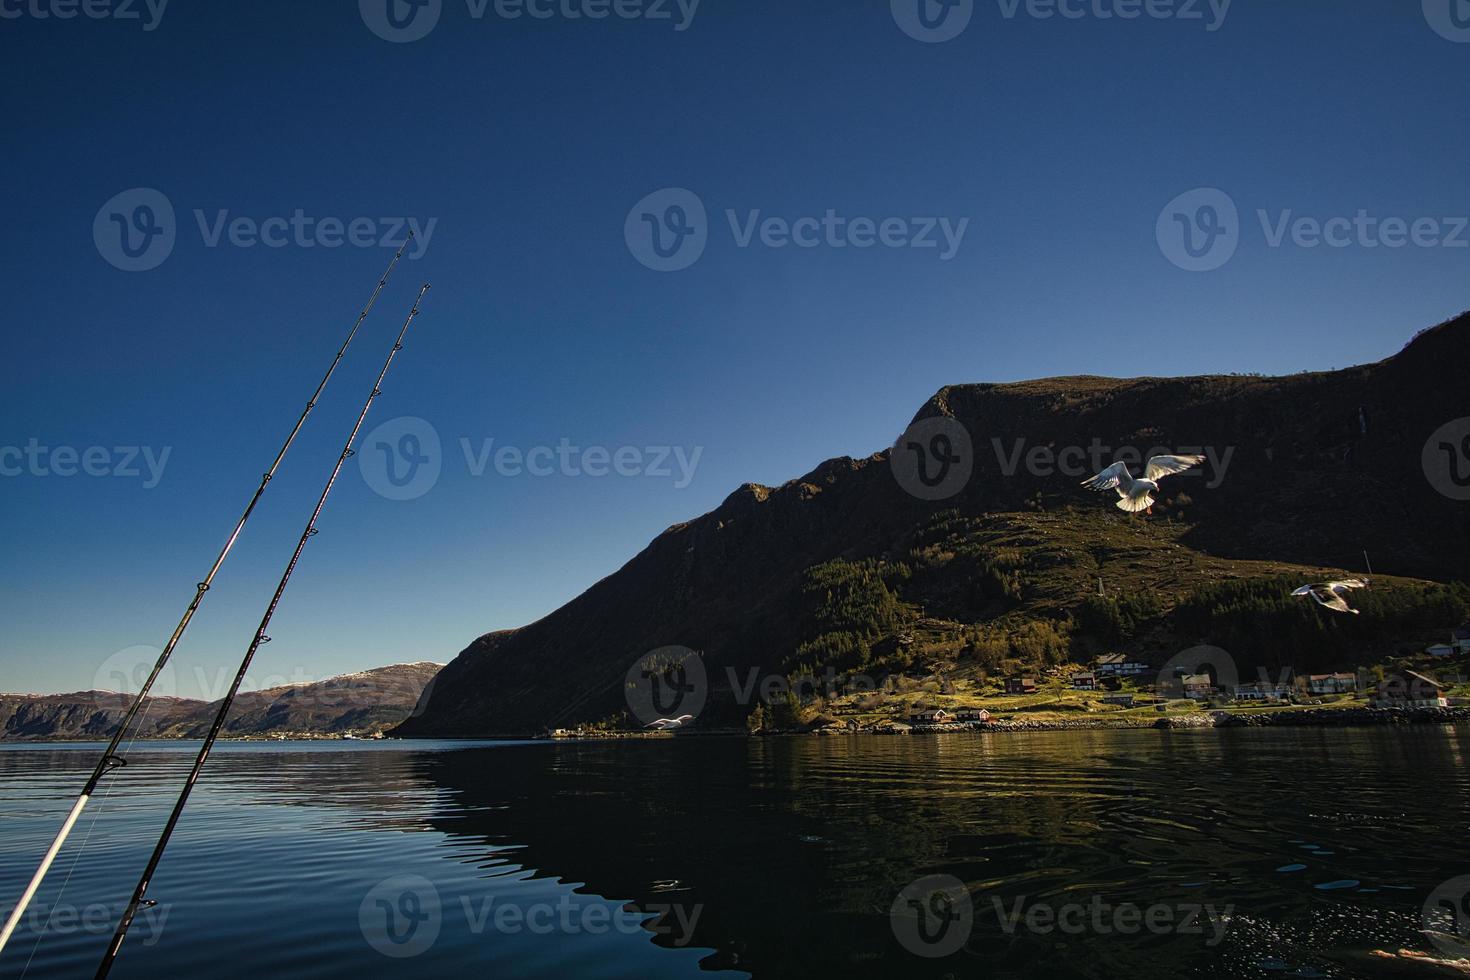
<point x="794" y="850"/>
<point x="1303" y="850"/>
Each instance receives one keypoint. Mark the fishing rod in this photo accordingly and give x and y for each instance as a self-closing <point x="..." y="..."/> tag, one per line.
<point x="110" y="759"/>
<point x="138" y="900"/>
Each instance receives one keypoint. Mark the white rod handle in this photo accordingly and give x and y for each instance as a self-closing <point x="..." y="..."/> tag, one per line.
<point x="30" y="892"/>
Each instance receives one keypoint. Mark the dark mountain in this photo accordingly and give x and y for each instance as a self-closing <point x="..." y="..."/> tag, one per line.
<point x="368" y="701"/>
<point x="844" y="568"/>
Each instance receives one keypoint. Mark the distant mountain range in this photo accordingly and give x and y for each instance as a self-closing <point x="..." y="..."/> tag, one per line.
<point x="360" y="703"/>
<point x="847" y="568"/>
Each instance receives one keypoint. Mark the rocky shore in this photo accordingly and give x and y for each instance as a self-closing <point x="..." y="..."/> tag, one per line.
<point x="1325" y="717"/>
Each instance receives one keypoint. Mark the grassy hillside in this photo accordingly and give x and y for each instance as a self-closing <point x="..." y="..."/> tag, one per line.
<point x="1000" y="592"/>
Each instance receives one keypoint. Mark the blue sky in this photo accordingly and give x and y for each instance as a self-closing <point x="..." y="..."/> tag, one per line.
<point x="1057" y="141"/>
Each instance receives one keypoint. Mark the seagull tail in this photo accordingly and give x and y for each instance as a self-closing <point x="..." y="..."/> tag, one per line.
<point x="1135" y="504"/>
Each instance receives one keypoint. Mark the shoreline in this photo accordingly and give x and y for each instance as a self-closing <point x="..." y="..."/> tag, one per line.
<point x="1353" y="717"/>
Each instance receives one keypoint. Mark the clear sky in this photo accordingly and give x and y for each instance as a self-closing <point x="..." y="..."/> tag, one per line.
<point x="1054" y="144"/>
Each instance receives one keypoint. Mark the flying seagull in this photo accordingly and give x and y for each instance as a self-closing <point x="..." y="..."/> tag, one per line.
<point x="1136" y="493"/>
<point x="1330" y="594"/>
<point x="669" y="724"/>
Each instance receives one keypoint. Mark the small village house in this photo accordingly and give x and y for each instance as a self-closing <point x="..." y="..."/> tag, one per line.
<point x="1441" y="650"/>
<point x="1086" y="681"/>
<point x="1408" y="689"/>
<point x="1460" y="639"/>
<point x="930" y="716"/>
<point x="1118" y="665"/>
<point x="1121" y="700"/>
<point x="1197" y="686"/>
<point x="971" y="713"/>
<point x="1262" y="691"/>
<point x="1340" y="683"/>
<point x="1020" y="685"/>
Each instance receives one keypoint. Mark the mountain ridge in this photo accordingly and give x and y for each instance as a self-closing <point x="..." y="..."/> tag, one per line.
<point x="373" y="699"/>
<point x="1323" y="466"/>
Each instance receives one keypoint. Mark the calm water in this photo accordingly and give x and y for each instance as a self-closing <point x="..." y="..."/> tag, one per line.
<point x="776" y="858"/>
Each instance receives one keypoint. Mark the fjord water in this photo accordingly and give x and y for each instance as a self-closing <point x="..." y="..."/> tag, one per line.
<point x="772" y="858"/>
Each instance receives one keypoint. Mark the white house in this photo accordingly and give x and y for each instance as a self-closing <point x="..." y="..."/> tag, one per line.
<point x="1197" y="687"/>
<point x="1407" y="689"/>
<point x="1262" y="691"/>
<point x="1340" y="683"/>
<point x="1118" y="665"/>
<point x="933" y="716"/>
<point x="1441" y="650"/>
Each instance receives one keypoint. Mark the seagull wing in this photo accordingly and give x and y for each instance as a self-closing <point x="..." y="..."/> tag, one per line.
<point x="1305" y="590"/>
<point x="1115" y="477"/>
<point x="1331" y="599"/>
<point x="1343" y="586"/>
<point x="1162" y="466"/>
